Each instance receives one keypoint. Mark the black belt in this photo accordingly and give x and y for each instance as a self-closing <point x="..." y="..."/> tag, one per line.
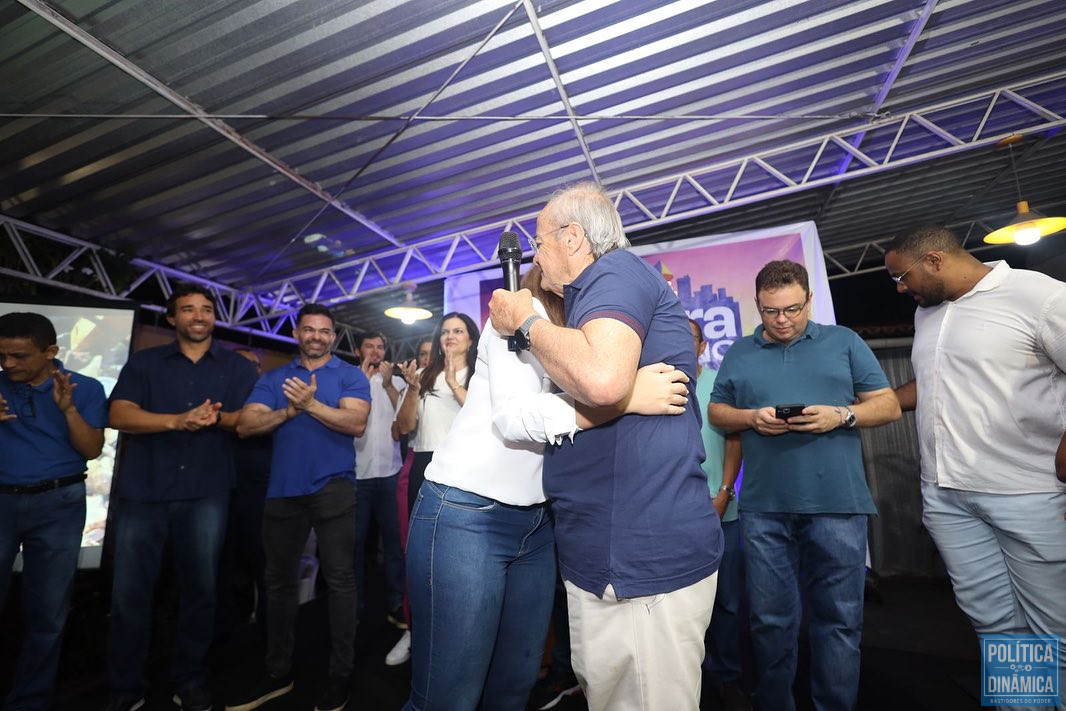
<point x="41" y="487"/>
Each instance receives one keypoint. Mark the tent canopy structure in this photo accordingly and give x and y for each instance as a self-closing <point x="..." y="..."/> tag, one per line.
<point x="332" y="150"/>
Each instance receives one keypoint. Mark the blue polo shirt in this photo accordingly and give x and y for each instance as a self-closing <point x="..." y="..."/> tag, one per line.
<point x="35" y="447"/>
<point x="631" y="503"/>
<point x="307" y="454"/>
<point x="175" y="466"/>
<point x="800" y="472"/>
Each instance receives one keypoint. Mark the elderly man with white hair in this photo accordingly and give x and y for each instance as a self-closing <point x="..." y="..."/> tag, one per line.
<point x="638" y="539"/>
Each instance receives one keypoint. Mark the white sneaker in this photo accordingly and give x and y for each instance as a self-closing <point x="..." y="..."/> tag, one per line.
<point x="401" y="652"/>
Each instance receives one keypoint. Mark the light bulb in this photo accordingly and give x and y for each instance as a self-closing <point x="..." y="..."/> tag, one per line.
<point x="1027" y="235"/>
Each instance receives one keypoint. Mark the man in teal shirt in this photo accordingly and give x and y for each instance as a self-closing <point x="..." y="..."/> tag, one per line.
<point x="806" y="502"/>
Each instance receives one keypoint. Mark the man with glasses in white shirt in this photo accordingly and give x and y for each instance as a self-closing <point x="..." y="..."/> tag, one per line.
<point x="989" y="357"/>
<point x="805" y="507"/>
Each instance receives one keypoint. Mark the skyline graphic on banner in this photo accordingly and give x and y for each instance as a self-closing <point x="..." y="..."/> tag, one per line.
<point x="716" y="285"/>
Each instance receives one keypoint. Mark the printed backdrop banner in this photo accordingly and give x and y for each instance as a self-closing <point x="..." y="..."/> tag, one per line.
<point x="713" y="276"/>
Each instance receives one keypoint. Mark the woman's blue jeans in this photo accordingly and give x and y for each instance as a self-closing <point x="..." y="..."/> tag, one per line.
<point x="481" y="576"/>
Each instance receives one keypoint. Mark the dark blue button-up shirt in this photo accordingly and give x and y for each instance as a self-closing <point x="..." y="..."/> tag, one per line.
<point x="172" y="466"/>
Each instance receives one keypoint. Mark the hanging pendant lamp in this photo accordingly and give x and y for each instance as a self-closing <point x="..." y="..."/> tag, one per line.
<point x="1028" y="226"/>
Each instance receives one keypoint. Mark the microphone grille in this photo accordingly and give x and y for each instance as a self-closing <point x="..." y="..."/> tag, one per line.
<point x="509" y="242"/>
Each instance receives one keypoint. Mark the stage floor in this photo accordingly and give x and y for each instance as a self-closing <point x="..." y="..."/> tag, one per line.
<point x="919" y="652"/>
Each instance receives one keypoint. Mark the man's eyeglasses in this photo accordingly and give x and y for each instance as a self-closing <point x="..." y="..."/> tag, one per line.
<point x="906" y="271"/>
<point x="534" y="241"/>
<point x="790" y="312"/>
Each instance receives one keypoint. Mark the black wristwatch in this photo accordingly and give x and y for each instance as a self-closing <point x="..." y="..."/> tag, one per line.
<point x="521" y="335"/>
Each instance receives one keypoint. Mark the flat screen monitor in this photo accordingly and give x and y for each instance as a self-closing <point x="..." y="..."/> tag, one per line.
<point x="94" y="339"/>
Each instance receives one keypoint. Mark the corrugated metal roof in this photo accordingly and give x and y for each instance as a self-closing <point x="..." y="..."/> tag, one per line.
<point x="432" y="117"/>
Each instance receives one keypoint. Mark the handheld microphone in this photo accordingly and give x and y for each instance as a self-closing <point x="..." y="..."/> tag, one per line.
<point x="510" y="253"/>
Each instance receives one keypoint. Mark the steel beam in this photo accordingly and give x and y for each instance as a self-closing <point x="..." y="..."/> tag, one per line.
<point x="886" y="86"/>
<point x="941" y="143"/>
<point x="83" y="259"/>
<point x="48" y="13"/>
<point x="564" y="96"/>
<point x="263" y="308"/>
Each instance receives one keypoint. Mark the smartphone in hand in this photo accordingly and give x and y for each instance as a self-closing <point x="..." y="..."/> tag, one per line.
<point x="783" y="412"/>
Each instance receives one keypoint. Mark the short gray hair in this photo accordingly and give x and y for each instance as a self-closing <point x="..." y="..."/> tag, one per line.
<point x="587" y="204"/>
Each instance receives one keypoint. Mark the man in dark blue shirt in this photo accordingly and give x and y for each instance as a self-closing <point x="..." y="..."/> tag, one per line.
<point x="314" y="406"/>
<point x="805" y="506"/>
<point x="51" y="422"/>
<point x="178" y="406"/>
<point x="635" y="525"/>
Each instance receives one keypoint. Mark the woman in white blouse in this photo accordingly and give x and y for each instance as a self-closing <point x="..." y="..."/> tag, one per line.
<point x="481" y="551"/>
<point x="435" y="394"/>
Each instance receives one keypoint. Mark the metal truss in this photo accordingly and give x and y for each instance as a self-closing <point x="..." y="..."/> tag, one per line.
<point x="47" y="257"/>
<point x="347" y="280"/>
<point x="59" y="21"/>
<point x="266" y="309"/>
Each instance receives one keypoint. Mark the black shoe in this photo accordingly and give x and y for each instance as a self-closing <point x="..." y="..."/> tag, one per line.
<point x="195" y="697"/>
<point x="267" y="688"/>
<point x="552" y="689"/>
<point x="396" y="618"/>
<point x="335" y="695"/>
<point x="124" y="703"/>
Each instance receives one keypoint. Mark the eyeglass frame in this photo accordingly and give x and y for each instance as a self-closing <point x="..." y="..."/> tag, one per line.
<point x="899" y="279"/>
<point x="533" y="242"/>
<point x="772" y="313"/>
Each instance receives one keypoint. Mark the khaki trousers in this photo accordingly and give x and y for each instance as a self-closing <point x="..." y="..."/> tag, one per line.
<point x="641" y="653"/>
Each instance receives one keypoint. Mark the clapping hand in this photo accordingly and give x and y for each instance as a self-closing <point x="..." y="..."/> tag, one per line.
<point x="452" y="360"/>
<point x="410" y="372"/>
<point x="204" y="415"/>
<point x="63" y="390"/>
<point x="300" y="394"/>
<point x="5" y="413"/>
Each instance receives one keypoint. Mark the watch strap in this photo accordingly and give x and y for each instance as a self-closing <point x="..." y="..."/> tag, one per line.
<point x="526" y="325"/>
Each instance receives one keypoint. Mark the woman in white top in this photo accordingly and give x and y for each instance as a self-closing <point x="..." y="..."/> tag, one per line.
<point x="481" y="551"/>
<point x="434" y="394"/>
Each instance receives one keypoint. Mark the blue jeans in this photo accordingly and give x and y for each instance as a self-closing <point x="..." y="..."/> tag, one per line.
<point x="376" y="499"/>
<point x="48" y="525"/>
<point x="1006" y="555"/>
<point x="195" y="529"/>
<point x="826" y="555"/>
<point x="481" y="576"/>
<point x="723" y="661"/>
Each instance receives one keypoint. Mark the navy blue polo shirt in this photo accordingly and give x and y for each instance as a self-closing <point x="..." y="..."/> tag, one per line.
<point x="307" y="454"/>
<point x="630" y="498"/>
<point x="35" y="447"/>
<point x="174" y="466"/>
<point x="801" y="472"/>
